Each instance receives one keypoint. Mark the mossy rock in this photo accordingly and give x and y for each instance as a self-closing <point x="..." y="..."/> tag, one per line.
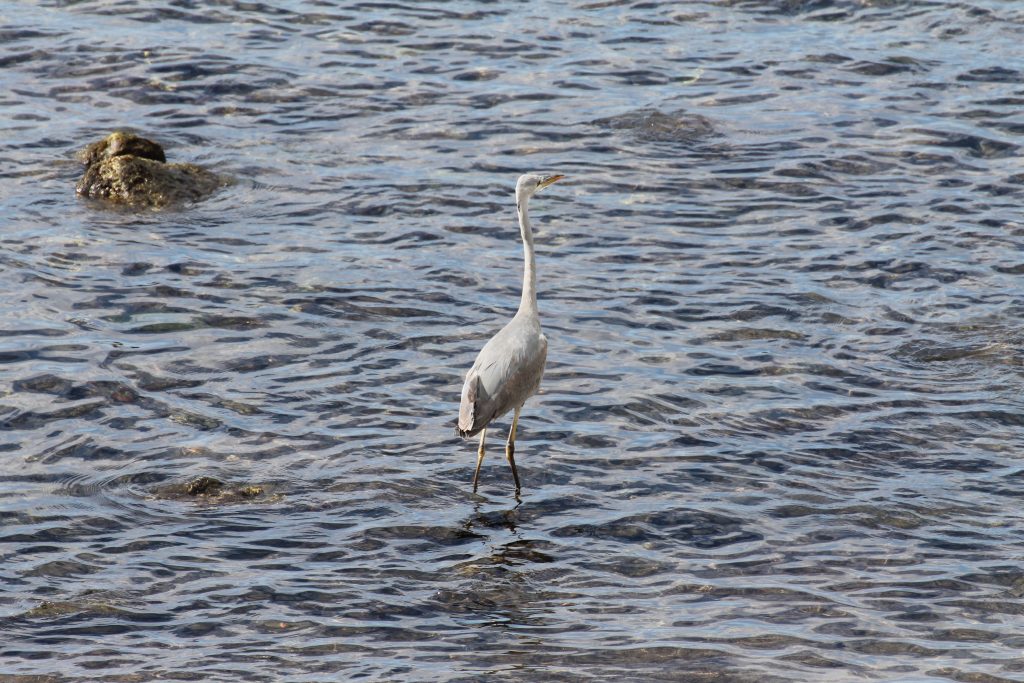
<point x="130" y="170"/>
<point x="203" y="486"/>
<point x="122" y="143"/>
<point x="135" y="181"/>
<point x="48" y="609"/>
<point x="214" y="491"/>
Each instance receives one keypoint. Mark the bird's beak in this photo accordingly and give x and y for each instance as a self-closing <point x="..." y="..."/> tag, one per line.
<point x="549" y="180"/>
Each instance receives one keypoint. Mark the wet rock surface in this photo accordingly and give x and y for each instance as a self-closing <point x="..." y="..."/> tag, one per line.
<point x="50" y="609"/>
<point x="128" y="169"/>
<point x="121" y="143"/>
<point x="212" y="490"/>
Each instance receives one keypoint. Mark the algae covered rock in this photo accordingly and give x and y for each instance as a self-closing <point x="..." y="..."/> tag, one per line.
<point x="203" y="486"/>
<point x="124" y="168"/>
<point x="49" y="609"/>
<point x="143" y="182"/>
<point x="121" y="143"/>
<point x="212" y="491"/>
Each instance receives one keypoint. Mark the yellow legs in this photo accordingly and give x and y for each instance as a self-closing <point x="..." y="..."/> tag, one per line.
<point x="479" y="457"/>
<point x="510" y="449"/>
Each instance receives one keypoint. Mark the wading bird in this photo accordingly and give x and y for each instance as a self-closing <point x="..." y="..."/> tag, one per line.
<point x="509" y="367"/>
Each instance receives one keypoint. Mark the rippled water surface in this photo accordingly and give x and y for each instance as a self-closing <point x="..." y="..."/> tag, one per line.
<point x="781" y="432"/>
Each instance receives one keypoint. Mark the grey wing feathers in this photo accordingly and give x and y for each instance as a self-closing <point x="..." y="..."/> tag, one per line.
<point x="506" y="373"/>
<point x="467" y="410"/>
<point x="520" y="379"/>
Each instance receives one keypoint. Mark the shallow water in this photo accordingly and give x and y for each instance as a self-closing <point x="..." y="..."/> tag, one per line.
<point x="780" y="433"/>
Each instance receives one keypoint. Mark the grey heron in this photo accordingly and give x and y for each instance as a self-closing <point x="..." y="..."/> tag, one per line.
<point x="509" y="367"/>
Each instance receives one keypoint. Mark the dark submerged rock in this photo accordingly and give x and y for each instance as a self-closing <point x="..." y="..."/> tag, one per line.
<point x="124" y="168"/>
<point x="653" y="125"/>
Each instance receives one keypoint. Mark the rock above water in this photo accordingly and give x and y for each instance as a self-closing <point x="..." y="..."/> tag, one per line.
<point x="121" y="143"/>
<point x="213" y="491"/>
<point x="143" y="182"/>
<point x="203" y="486"/>
<point x="124" y="168"/>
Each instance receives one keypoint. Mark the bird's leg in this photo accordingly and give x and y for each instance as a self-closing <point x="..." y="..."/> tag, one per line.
<point x="479" y="458"/>
<point x="510" y="448"/>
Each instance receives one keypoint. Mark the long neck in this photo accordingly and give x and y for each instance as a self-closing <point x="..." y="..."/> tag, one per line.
<point x="529" y="300"/>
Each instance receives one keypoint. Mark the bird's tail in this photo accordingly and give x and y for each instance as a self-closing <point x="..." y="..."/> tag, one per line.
<point x="467" y="432"/>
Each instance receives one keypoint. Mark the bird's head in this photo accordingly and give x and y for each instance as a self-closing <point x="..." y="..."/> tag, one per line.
<point x="531" y="183"/>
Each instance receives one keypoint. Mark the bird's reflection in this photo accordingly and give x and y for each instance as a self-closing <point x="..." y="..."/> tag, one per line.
<point x="493" y="519"/>
<point x="497" y="586"/>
